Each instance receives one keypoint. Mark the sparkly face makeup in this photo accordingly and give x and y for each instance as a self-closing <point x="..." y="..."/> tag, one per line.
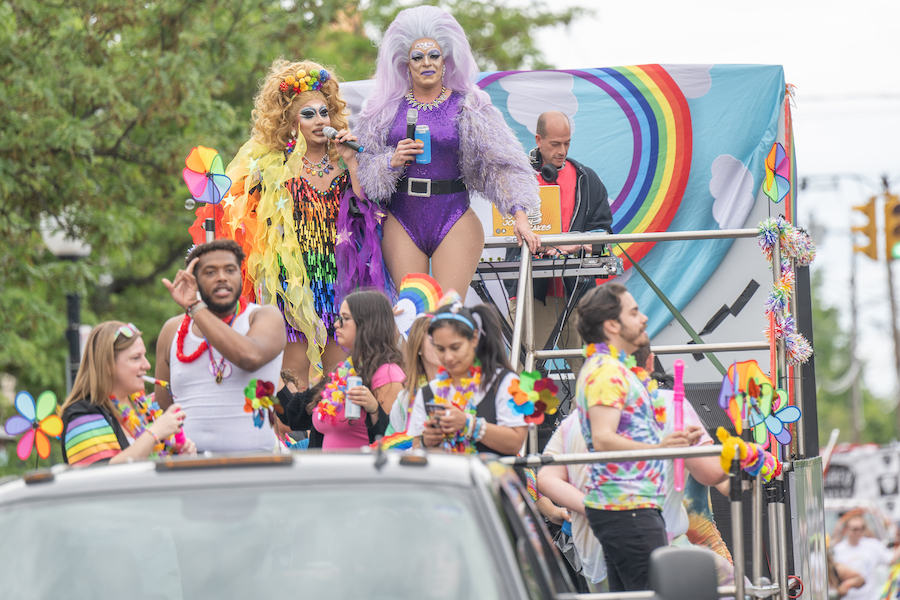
<point x="426" y="64"/>
<point x="310" y="113"/>
<point x="313" y="116"/>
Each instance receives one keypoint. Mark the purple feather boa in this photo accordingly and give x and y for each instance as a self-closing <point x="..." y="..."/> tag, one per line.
<point x="357" y="251"/>
<point x="492" y="160"/>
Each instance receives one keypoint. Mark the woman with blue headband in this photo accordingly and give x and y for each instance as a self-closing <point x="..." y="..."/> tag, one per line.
<point x="466" y="408"/>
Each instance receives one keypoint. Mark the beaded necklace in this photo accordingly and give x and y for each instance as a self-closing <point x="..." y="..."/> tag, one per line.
<point x="461" y="397"/>
<point x="185" y="325"/>
<point x="427" y="105"/>
<point x="656" y="401"/>
<point x="331" y="406"/>
<point x="321" y="168"/>
<point x="140" y="413"/>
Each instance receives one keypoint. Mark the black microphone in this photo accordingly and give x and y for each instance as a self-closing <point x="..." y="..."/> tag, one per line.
<point x="331" y="133"/>
<point x="412" y="115"/>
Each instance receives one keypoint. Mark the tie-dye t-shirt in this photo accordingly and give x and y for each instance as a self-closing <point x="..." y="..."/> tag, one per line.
<point x="605" y="381"/>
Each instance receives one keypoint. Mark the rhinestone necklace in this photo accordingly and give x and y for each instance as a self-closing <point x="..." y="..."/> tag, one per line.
<point x="427" y="105"/>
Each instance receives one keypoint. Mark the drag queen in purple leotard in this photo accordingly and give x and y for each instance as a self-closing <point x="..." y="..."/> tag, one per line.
<point x="425" y="63"/>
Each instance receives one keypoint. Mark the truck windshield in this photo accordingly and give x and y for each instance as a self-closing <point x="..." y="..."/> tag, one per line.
<point x="313" y="542"/>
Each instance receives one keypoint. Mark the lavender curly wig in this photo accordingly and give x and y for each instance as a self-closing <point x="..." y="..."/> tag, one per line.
<point x="392" y="66"/>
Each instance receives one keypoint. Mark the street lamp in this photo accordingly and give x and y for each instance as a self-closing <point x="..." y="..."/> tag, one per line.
<point x="65" y="246"/>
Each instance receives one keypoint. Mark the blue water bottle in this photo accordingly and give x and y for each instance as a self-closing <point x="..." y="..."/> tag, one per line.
<point x="424" y="133"/>
<point x="567" y="528"/>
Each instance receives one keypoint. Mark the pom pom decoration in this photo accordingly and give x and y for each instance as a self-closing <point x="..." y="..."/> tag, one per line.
<point x="795" y="244"/>
<point x="37" y="421"/>
<point x="260" y="400"/>
<point x="533" y="397"/>
<point x="754" y="458"/>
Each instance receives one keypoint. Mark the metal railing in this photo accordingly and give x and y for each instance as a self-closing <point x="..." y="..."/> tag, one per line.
<point x="777" y="527"/>
<point x="523" y="337"/>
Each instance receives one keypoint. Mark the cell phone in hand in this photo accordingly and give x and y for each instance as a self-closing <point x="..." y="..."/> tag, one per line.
<point x="433" y="409"/>
<point x="351" y="410"/>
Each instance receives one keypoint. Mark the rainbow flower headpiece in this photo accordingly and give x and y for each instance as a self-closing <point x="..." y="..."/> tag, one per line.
<point x="304" y="82"/>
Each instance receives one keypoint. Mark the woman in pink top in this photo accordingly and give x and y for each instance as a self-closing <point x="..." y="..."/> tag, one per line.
<point x="365" y="326"/>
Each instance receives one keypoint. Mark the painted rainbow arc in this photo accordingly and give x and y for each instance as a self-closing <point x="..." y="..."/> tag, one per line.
<point x="660" y="122"/>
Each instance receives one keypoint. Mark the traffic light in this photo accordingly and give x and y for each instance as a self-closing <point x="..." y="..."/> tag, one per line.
<point x="891" y="226"/>
<point x="870" y="230"/>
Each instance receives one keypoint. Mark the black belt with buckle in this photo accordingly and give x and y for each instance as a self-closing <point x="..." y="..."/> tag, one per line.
<point x="417" y="186"/>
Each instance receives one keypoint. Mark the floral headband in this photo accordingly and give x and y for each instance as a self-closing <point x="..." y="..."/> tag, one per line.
<point x="304" y="82"/>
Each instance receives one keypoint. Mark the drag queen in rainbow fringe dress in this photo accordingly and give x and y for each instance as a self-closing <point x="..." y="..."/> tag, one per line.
<point x="297" y="209"/>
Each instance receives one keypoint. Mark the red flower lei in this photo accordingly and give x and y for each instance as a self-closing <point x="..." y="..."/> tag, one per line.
<point x="183" y="329"/>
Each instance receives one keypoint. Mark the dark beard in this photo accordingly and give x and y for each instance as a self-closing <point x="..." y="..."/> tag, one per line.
<point x="218" y="308"/>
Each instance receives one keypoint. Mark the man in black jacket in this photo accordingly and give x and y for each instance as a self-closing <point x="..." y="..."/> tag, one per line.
<point x="584" y="206"/>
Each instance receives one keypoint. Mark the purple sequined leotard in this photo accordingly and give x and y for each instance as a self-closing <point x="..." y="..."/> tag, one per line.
<point x="427" y="220"/>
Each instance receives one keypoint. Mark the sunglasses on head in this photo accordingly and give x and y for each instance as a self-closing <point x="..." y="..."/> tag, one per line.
<point x="128" y="330"/>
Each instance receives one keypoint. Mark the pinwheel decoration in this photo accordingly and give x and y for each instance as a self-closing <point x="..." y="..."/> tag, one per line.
<point x="735" y="388"/>
<point x="260" y="400"/>
<point x="778" y="171"/>
<point x="36" y="420"/>
<point x="770" y="413"/>
<point x="533" y="397"/>
<point x="205" y="176"/>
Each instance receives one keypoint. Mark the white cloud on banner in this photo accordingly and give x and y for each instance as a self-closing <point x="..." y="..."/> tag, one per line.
<point x="732" y="187"/>
<point x="530" y="95"/>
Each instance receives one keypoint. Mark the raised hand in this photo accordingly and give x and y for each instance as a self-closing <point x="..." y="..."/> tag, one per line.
<point x="184" y="288"/>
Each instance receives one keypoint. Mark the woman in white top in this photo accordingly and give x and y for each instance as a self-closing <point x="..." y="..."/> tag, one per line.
<point x="466" y="408"/>
<point x="421" y="365"/>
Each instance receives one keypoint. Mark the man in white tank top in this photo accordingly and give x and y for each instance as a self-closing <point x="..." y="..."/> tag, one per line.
<point x="212" y="352"/>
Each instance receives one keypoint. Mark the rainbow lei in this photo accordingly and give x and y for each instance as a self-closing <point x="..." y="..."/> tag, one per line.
<point x="135" y="420"/>
<point x="260" y="399"/>
<point x="331" y="406"/>
<point x="461" y="397"/>
<point x="658" y="403"/>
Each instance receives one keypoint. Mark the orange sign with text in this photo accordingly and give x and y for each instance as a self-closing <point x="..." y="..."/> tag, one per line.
<point x="546" y="221"/>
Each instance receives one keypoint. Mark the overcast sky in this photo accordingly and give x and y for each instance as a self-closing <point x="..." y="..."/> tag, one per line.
<point x="844" y="59"/>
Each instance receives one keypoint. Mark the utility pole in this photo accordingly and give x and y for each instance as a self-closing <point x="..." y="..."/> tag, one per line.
<point x="892" y="252"/>
<point x="856" y="408"/>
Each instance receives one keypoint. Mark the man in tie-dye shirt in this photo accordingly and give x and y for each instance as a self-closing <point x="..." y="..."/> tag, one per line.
<point x="615" y="404"/>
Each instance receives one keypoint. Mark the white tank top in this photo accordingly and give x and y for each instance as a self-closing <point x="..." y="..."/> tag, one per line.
<point x="214" y="413"/>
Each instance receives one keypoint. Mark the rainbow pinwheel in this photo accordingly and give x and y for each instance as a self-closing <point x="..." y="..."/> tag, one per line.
<point x="36" y="420"/>
<point x="778" y="172"/>
<point x="735" y="386"/>
<point x="205" y="176"/>
<point x="770" y="413"/>
<point x="533" y="397"/>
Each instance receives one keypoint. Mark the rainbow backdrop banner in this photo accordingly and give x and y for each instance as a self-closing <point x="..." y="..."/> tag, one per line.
<point x="678" y="147"/>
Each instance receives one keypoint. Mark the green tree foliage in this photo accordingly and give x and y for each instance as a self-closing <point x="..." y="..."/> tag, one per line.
<point x="832" y="346"/>
<point x="101" y="102"/>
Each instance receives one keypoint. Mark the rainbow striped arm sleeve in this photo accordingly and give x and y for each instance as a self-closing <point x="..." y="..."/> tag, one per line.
<point x="88" y="439"/>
